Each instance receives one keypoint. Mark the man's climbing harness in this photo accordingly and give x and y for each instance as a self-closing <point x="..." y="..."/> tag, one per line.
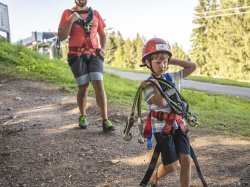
<point x="179" y="110"/>
<point x="87" y="23"/>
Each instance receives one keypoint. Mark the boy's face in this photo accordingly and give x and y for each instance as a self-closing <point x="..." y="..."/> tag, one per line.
<point x="159" y="63"/>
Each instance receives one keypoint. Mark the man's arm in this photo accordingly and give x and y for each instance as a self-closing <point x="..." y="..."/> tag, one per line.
<point x="63" y="33"/>
<point x="103" y="40"/>
<point x="189" y="67"/>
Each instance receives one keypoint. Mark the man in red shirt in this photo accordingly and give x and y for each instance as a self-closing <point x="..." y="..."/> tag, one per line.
<point x="85" y="57"/>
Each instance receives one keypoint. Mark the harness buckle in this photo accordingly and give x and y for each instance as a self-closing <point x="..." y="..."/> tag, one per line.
<point x="160" y="116"/>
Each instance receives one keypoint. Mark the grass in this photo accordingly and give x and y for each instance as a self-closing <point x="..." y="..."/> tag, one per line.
<point x="225" y="114"/>
<point x="220" y="112"/>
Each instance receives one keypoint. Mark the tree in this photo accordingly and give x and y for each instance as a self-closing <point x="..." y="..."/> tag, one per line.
<point x="111" y="48"/>
<point x="199" y="36"/>
<point x="119" y="52"/>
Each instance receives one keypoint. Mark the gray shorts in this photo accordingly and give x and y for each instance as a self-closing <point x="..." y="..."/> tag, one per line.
<point x="86" y="68"/>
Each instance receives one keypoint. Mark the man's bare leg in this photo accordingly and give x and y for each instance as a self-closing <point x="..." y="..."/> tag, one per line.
<point x="82" y="95"/>
<point x="101" y="99"/>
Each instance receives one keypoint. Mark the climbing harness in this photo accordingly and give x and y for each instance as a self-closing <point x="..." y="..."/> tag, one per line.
<point x="87" y="23"/>
<point x="176" y="101"/>
<point x="179" y="110"/>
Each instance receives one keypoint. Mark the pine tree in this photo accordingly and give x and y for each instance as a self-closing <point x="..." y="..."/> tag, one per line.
<point x="119" y="52"/>
<point x="111" y="48"/>
<point x="199" y="36"/>
<point x="139" y="44"/>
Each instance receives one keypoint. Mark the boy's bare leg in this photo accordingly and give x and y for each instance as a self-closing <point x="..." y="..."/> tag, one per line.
<point x="162" y="171"/>
<point x="185" y="175"/>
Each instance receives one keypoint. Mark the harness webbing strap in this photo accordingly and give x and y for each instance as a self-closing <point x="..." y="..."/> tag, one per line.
<point x="197" y="167"/>
<point x="170" y="119"/>
<point x="148" y="126"/>
<point x="151" y="167"/>
<point x="153" y="163"/>
<point x="85" y="24"/>
<point x="82" y="50"/>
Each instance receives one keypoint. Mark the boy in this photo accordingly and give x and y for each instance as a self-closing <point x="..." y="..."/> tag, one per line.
<point x="174" y="146"/>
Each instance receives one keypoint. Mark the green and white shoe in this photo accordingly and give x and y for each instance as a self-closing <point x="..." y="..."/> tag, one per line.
<point x="83" y="124"/>
<point x="107" y="126"/>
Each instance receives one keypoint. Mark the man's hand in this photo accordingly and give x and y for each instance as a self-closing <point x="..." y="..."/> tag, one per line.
<point x="74" y="17"/>
<point x="100" y="52"/>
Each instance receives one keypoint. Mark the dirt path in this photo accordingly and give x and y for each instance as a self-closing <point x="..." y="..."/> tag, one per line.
<point x="41" y="145"/>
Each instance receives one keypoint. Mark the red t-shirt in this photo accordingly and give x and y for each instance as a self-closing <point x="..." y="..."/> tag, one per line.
<point x="76" y="36"/>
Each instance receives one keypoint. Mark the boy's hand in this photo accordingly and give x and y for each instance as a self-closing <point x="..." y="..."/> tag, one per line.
<point x="145" y="84"/>
<point x="156" y="83"/>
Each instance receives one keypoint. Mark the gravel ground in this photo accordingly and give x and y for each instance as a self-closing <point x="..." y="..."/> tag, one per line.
<point x="41" y="145"/>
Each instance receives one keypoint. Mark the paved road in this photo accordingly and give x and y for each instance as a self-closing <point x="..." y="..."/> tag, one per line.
<point x="196" y="85"/>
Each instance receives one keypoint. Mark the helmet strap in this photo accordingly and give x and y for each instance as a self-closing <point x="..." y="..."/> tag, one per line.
<point x="150" y="65"/>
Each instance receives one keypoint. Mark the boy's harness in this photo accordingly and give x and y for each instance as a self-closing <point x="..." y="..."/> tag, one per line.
<point x="179" y="111"/>
<point x="170" y="119"/>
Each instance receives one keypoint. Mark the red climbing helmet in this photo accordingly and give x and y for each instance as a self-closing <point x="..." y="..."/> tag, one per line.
<point x="155" y="45"/>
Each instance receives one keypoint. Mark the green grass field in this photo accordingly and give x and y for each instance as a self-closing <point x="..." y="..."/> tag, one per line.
<point x="225" y="114"/>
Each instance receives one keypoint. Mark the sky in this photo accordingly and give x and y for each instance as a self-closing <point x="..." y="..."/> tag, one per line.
<point x="167" y="19"/>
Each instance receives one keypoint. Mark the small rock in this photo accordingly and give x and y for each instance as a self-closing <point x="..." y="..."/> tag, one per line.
<point x="18" y="98"/>
<point x="115" y="161"/>
<point x="13" y="117"/>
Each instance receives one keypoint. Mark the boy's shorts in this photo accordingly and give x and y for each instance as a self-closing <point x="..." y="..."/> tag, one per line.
<point x="172" y="145"/>
<point x="86" y="68"/>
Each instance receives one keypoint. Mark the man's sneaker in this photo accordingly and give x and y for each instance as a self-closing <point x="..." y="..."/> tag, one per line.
<point x="107" y="126"/>
<point x="83" y="122"/>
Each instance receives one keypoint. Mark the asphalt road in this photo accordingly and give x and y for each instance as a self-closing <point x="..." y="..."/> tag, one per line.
<point x="195" y="85"/>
